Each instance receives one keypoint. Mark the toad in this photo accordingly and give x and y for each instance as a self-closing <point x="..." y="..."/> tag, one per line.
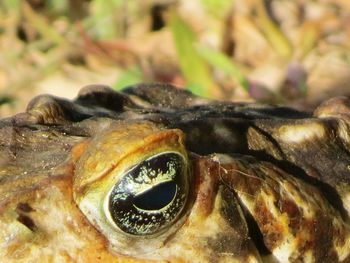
<point x="157" y="174"/>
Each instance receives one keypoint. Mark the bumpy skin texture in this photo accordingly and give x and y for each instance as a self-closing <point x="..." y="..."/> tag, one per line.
<point x="267" y="184"/>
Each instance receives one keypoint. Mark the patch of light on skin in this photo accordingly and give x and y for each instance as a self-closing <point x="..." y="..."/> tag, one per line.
<point x="225" y="132"/>
<point x="308" y="257"/>
<point x="270" y="203"/>
<point x="90" y="209"/>
<point x="300" y="133"/>
<point x="342" y="249"/>
<point x="299" y="200"/>
<point x="195" y="252"/>
<point x="285" y="249"/>
<point x="253" y="259"/>
<point x="15" y="231"/>
<point x="288" y="244"/>
<point x="346" y="202"/>
<point x="343" y="131"/>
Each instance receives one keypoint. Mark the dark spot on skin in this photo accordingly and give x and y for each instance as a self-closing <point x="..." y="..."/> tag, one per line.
<point x="24" y="207"/>
<point x="230" y="211"/>
<point x="27" y="221"/>
<point x="255" y="233"/>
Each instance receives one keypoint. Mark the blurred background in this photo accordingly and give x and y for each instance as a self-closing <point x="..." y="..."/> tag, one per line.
<point x="291" y="52"/>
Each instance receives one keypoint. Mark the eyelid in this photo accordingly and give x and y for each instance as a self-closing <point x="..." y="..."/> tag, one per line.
<point x="117" y="147"/>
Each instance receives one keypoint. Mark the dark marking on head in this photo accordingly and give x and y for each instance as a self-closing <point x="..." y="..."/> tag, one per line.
<point x="27" y="221"/>
<point x="255" y="232"/>
<point x="230" y="210"/>
<point x="205" y="136"/>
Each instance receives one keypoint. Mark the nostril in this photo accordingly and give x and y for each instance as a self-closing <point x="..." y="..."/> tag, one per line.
<point x="27" y="221"/>
<point x="157" y="197"/>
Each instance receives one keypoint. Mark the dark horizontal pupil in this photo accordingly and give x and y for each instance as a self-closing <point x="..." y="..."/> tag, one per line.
<point x="157" y="197"/>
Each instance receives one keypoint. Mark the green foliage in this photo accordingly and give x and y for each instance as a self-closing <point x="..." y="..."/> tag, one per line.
<point x="303" y="87"/>
<point x="104" y="17"/>
<point x="130" y="76"/>
<point x="6" y="100"/>
<point x="218" y="8"/>
<point x="310" y="37"/>
<point x="42" y="26"/>
<point x="277" y="39"/>
<point x="224" y="63"/>
<point x="10" y="5"/>
<point x="58" y="6"/>
<point x="193" y="66"/>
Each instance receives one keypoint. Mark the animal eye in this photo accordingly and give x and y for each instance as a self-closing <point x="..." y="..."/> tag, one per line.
<point x="150" y="196"/>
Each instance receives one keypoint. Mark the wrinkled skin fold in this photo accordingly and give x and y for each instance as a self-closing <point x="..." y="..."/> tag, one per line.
<point x="256" y="183"/>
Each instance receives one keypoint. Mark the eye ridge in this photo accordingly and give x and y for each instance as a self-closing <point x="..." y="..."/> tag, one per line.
<point x="144" y="207"/>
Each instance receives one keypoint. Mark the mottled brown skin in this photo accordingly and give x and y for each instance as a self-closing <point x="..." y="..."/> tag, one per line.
<point x="267" y="184"/>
